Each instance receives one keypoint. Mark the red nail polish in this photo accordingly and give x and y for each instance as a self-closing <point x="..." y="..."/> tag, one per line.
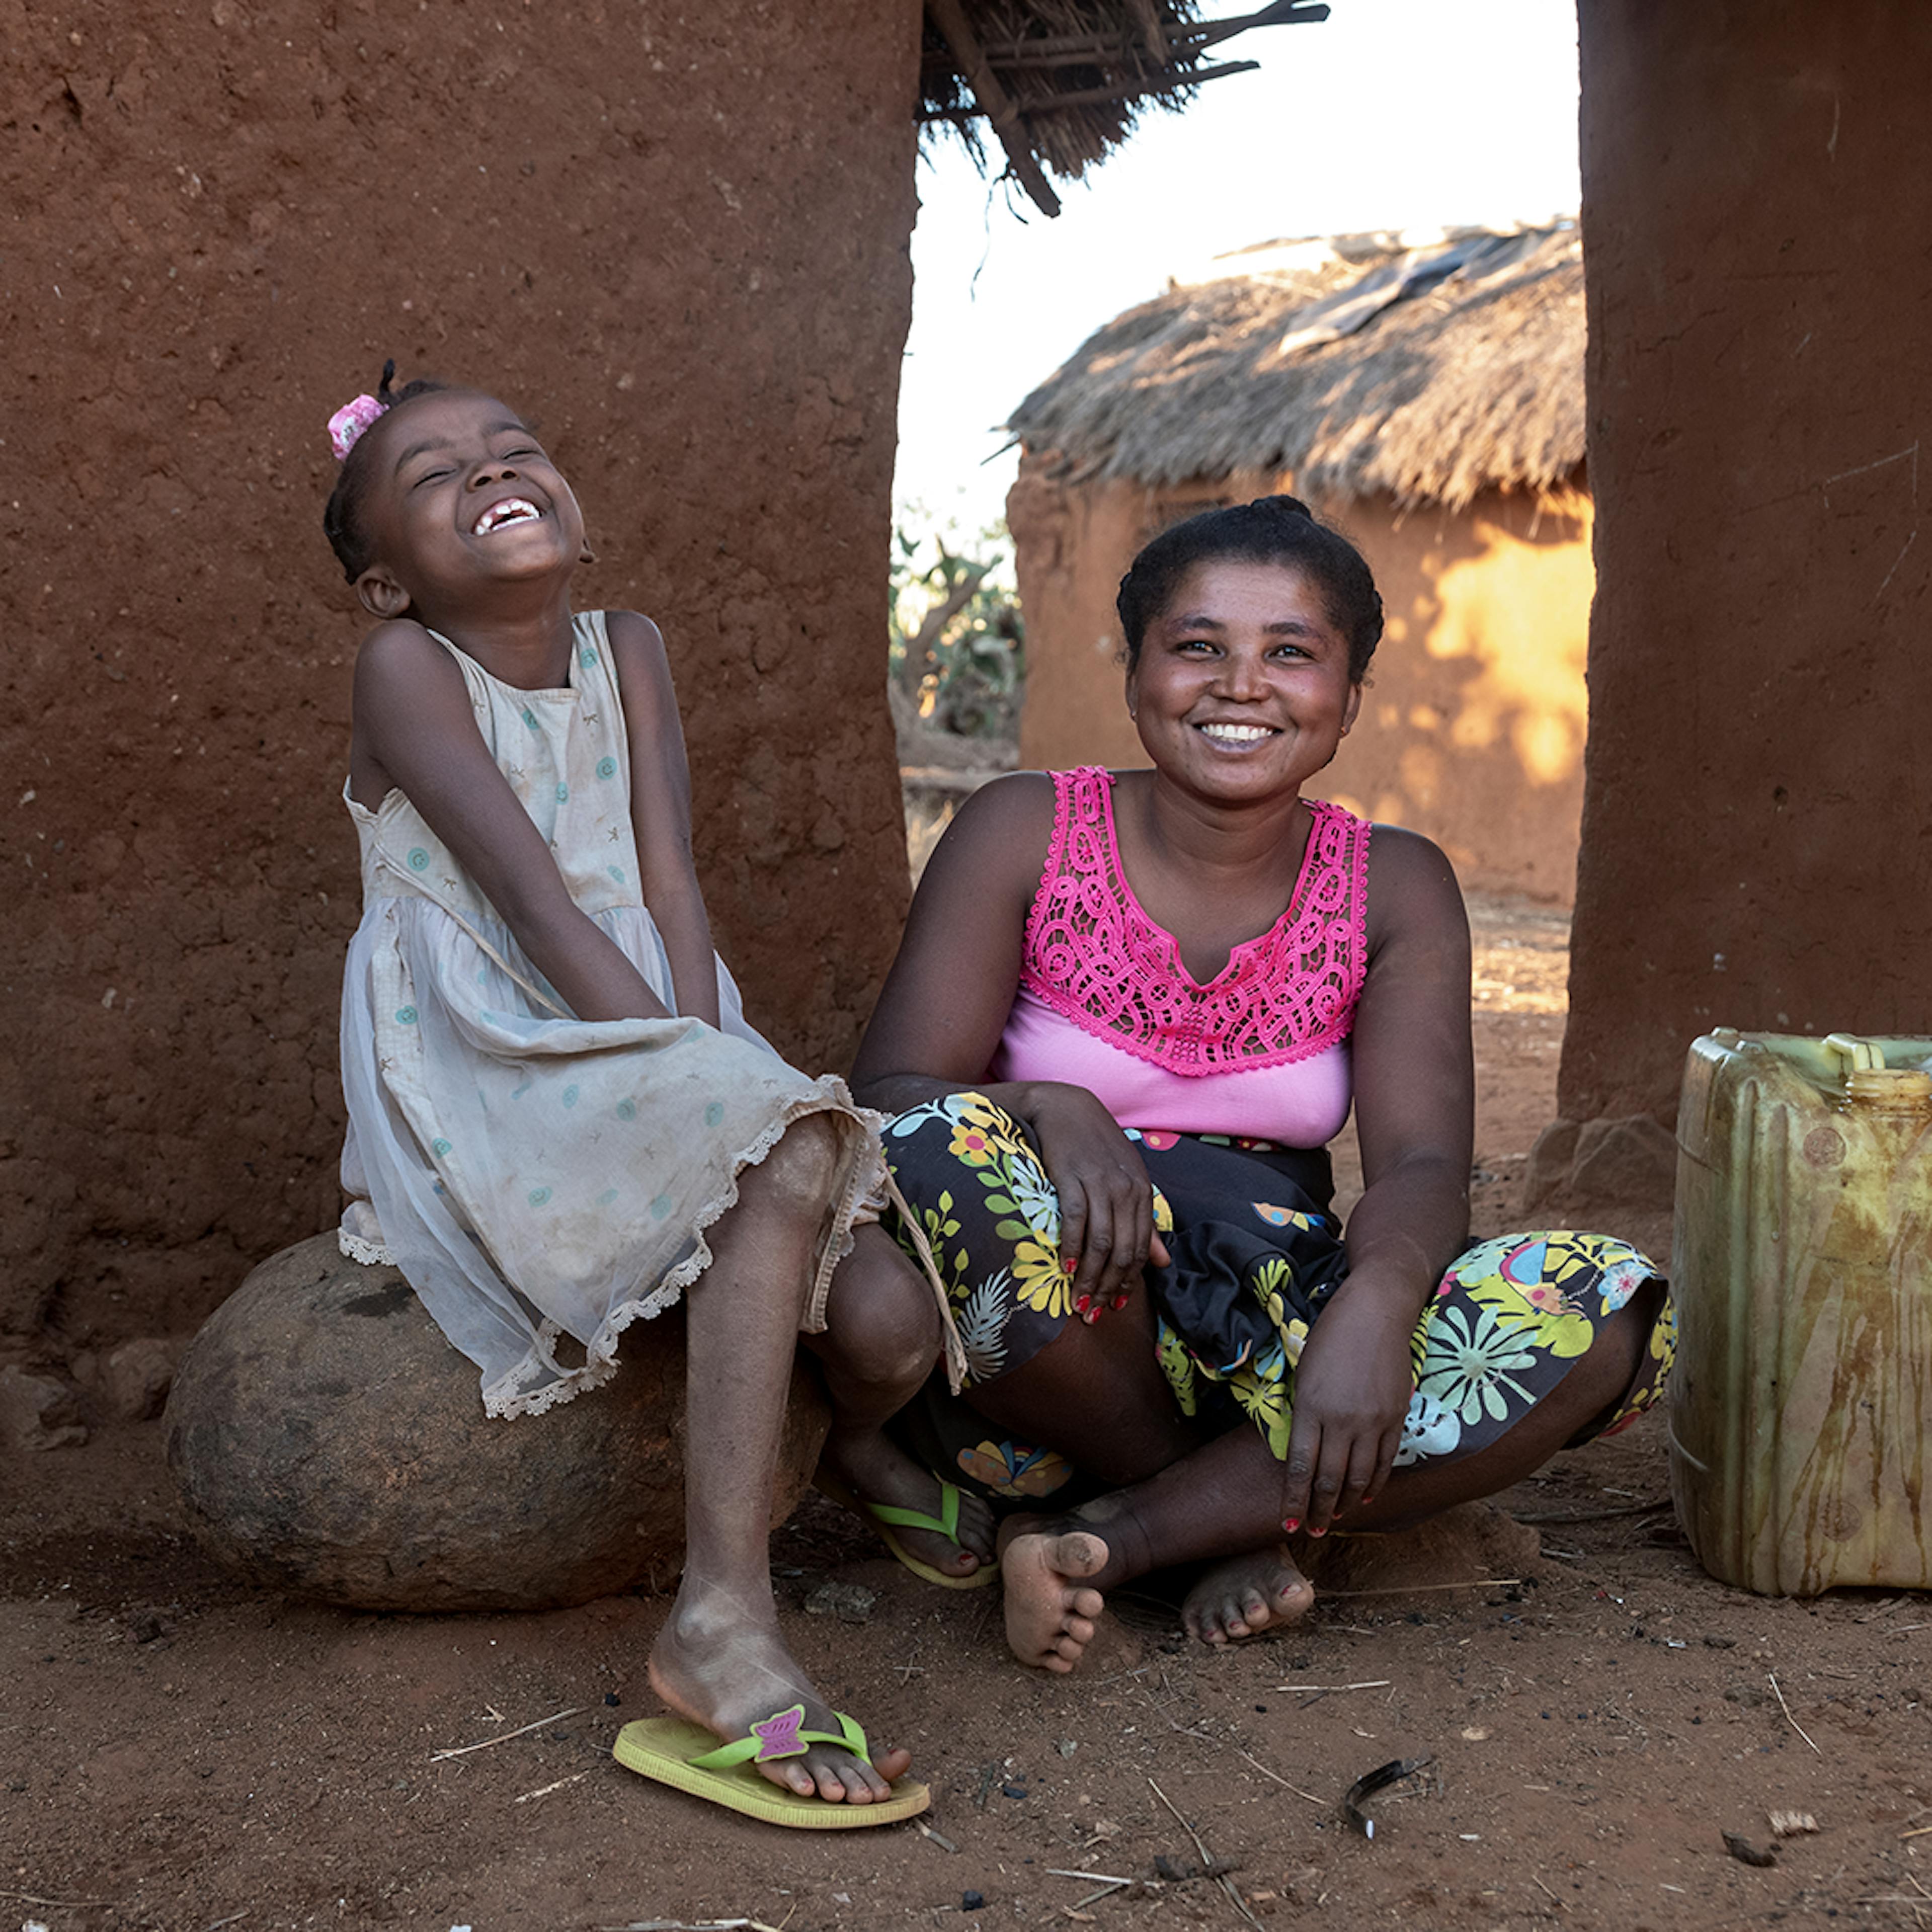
<point x="1069" y="1262"/>
<point x="1093" y="1315"/>
<point x="1081" y="1302"/>
<point x="1290" y="1524"/>
<point x="1317" y="1532"/>
<point x="1120" y="1301"/>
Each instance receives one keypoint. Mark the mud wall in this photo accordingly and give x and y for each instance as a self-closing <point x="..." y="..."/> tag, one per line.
<point x="678" y="238"/>
<point x="1757" y="825"/>
<point x="1472" y="725"/>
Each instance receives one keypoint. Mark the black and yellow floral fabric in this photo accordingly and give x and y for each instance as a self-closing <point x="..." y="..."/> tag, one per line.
<point x="1256" y="1255"/>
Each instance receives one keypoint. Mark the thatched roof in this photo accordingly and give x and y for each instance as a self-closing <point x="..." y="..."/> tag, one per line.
<point x="1356" y="365"/>
<point x="1061" y="82"/>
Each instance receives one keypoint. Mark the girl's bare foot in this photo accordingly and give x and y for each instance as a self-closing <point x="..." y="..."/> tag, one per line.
<point x="1050" y="1607"/>
<point x="715" y="1665"/>
<point x="875" y="1469"/>
<point x="1244" y="1595"/>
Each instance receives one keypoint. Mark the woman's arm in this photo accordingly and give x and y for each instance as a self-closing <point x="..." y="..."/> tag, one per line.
<point x="946" y="1003"/>
<point x="413" y="723"/>
<point x="661" y="811"/>
<point x="1415" y="1084"/>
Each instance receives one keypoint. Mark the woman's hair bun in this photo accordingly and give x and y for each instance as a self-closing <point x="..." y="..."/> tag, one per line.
<point x="1289" y="506"/>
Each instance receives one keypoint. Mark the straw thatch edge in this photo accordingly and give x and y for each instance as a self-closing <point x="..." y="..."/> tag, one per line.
<point x="1473" y="383"/>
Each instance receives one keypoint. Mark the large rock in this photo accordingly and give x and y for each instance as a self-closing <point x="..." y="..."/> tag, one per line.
<point x="329" y="1441"/>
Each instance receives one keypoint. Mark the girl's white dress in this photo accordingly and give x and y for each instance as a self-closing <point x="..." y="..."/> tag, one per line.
<point x="536" y="1176"/>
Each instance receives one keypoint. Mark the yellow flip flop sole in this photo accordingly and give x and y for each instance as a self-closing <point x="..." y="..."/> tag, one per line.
<point x="663" y="1748"/>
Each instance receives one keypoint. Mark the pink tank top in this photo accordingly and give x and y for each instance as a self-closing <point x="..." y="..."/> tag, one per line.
<point x="1105" y="1002"/>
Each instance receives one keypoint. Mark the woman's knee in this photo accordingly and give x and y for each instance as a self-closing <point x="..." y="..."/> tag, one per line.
<point x="882" y="1322"/>
<point x="1601" y="1384"/>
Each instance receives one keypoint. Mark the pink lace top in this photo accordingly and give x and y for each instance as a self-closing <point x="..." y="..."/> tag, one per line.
<point x="1106" y="1002"/>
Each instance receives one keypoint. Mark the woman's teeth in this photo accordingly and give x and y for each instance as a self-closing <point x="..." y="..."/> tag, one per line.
<point x="514" y="510"/>
<point x="1237" y="734"/>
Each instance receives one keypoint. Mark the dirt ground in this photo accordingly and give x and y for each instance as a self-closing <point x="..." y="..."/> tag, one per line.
<point x="178" y="1754"/>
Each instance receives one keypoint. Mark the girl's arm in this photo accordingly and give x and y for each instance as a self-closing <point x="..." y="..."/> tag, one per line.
<point x="946" y="1003"/>
<point x="1414" y="1084"/>
<point x="661" y="811"/>
<point x="414" y="728"/>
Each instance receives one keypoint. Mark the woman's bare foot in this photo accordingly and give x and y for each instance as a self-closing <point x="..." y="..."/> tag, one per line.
<point x="1050" y="1607"/>
<point x="714" y="1665"/>
<point x="869" y="1464"/>
<point x="1242" y="1596"/>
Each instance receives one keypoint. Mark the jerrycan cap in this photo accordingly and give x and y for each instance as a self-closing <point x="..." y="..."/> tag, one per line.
<point x="1869" y="1082"/>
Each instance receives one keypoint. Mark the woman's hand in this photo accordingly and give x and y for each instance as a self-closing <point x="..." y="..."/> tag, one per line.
<point x="1351" y="1390"/>
<point x="1107" y="1234"/>
<point x="1413" y="1085"/>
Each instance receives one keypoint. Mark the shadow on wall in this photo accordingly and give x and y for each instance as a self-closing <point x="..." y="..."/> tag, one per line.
<point x="1474" y="714"/>
<point x="1473" y="719"/>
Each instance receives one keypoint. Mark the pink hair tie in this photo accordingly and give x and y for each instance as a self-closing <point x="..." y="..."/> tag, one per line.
<point x="349" y="422"/>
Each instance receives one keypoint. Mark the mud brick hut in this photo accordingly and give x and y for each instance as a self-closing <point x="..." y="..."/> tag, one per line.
<point x="679" y="238"/>
<point x="1429" y="398"/>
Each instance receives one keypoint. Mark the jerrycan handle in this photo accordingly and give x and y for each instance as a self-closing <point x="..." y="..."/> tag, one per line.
<point x="1860" y="1055"/>
<point x="1869" y="1082"/>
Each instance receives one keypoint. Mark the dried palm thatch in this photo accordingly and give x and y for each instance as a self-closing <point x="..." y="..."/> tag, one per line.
<point x="1061" y="82"/>
<point x="1358" y="365"/>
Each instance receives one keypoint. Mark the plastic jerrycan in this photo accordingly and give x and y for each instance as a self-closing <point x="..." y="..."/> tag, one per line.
<point x="1800" y="1404"/>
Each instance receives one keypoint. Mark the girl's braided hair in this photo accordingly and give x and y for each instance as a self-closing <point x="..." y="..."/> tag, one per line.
<point x="342" y="515"/>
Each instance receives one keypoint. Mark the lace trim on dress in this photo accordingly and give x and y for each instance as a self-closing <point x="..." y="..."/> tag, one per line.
<point x="511" y="1395"/>
<point x="1094" y="956"/>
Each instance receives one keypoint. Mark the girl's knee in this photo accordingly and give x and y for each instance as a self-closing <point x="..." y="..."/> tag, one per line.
<point x="799" y="1172"/>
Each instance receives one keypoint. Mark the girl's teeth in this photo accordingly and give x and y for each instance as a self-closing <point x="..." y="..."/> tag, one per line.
<point x="1237" y="734"/>
<point x="515" y="511"/>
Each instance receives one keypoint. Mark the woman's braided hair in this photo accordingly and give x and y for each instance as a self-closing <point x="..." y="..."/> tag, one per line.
<point x="1271" y="530"/>
<point x="342" y="515"/>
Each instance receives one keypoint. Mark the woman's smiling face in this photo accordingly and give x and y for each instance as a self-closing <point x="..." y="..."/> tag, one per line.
<point x="463" y="497"/>
<point x="1242" y="689"/>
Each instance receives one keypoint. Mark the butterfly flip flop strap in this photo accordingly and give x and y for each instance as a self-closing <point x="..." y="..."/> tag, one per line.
<point x="780" y="1737"/>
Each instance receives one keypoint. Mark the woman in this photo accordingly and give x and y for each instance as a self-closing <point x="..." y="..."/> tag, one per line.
<point x="1128" y="1013"/>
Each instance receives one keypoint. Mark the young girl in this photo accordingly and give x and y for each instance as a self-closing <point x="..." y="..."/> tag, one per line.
<point x="559" y="1117"/>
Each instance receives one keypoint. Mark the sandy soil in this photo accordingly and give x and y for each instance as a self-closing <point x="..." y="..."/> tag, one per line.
<point x="180" y="1754"/>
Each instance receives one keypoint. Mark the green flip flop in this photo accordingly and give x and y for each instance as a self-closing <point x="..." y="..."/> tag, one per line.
<point x="689" y="1758"/>
<point x="886" y="1517"/>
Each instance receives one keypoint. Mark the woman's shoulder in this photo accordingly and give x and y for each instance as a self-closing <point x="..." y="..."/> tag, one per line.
<point x="1000" y="835"/>
<point x="1018" y="806"/>
<point x="1411" y="886"/>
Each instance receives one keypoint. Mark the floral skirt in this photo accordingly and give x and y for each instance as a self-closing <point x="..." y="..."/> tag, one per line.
<point x="1256" y="1255"/>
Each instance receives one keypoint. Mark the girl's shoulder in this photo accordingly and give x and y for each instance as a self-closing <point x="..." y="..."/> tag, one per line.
<point x="400" y="656"/>
<point x="628" y="632"/>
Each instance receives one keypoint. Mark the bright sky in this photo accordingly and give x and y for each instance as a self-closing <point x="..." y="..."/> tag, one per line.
<point x="1389" y="114"/>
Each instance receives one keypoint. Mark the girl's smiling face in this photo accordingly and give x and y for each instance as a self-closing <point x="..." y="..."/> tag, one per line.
<point x="1242" y="688"/>
<point x="461" y="502"/>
